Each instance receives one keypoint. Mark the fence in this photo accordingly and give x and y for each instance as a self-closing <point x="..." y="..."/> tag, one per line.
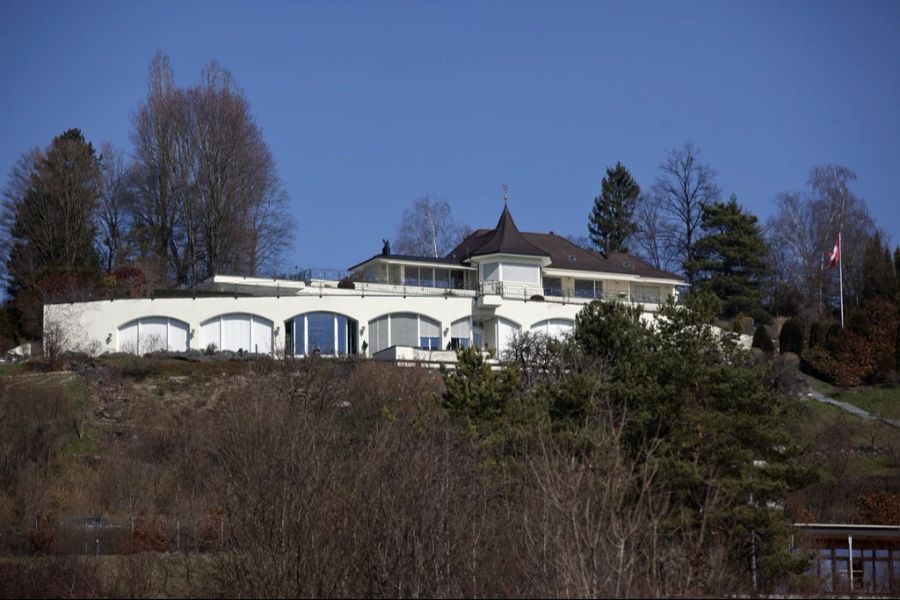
<point x="127" y="535"/>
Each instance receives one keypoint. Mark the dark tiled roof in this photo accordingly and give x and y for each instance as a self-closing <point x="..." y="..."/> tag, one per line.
<point x="566" y="255"/>
<point x="505" y="238"/>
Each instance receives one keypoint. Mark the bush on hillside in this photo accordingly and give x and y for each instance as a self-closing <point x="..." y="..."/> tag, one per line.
<point x="851" y="364"/>
<point x="883" y="336"/>
<point x="791" y="337"/>
<point x="762" y="340"/>
<point x="818" y="333"/>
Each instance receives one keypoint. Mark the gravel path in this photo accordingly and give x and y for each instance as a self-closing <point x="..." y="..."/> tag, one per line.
<point x="850" y="408"/>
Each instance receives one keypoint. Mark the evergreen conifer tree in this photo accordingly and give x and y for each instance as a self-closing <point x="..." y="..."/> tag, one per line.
<point x="51" y="228"/>
<point x="730" y="260"/>
<point x="611" y="221"/>
<point x="878" y="272"/>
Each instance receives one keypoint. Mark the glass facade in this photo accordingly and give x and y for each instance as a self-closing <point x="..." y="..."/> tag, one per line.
<point x="322" y="333"/>
<point x="432" y="277"/>
<point x="876" y="567"/>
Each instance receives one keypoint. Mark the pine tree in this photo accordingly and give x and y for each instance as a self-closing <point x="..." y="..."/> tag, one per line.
<point x="879" y="275"/>
<point x="730" y="259"/>
<point x="611" y="221"/>
<point x="52" y="229"/>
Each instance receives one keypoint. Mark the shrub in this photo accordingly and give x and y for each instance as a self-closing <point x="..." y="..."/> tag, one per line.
<point x="791" y="337"/>
<point x="850" y="364"/>
<point x="817" y="362"/>
<point x="879" y="508"/>
<point x="833" y="337"/>
<point x="761" y="316"/>
<point x="818" y="333"/>
<point x="762" y="340"/>
<point x="883" y="336"/>
<point x="859" y="323"/>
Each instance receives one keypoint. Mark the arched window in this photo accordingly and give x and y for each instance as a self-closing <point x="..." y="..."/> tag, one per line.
<point x="404" y="329"/>
<point x="238" y="332"/>
<point x="461" y="333"/>
<point x="465" y="333"/>
<point x="556" y="328"/>
<point x="506" y="333"/>
<point x="321" y="332"/>
<point x="150" y="334"/>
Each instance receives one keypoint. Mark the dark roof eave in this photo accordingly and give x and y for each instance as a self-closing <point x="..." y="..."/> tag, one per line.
<point x="409" y="258"/>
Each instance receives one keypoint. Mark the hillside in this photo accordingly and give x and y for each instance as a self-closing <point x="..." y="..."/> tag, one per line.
<point x="131" y="476"/>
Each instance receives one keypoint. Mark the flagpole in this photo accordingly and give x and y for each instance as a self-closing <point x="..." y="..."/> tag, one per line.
<point x="841" y="275"/>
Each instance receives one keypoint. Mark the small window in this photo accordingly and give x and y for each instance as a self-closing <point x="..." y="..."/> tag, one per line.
<point x="430" y="343"/>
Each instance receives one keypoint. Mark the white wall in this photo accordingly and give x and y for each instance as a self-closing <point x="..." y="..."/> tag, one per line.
<point x="95" y="326"/>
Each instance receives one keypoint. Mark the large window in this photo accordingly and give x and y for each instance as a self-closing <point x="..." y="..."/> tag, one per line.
<point x="429" y="334"/>
<point x="876" y="566"/>
<point x="519" y="273"/>
<point x="461" y="333"/>
<point x="645" y="293"/>
<point x="585" y="288"/>
<point x="506" y="335"/>
<point x="322" y="333"/>
<point x="552" y="286"/>
<point x="404" y="329"/>
<point x="237" y="332"/>
<point x="150" y="334"/>
<point x="490" y="272"/>
<point x="478" y="334"/>
<point x="434" y="277"/>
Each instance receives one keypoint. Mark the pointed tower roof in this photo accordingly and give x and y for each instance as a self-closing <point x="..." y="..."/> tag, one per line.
<point x="505" y="238"/>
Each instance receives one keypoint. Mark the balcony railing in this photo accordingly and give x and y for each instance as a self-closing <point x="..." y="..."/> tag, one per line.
<point x="517" y="291"/>
<point x="438" y="284"/>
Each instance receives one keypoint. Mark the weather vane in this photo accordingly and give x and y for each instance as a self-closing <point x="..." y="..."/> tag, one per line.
<point x="505" y="193"/>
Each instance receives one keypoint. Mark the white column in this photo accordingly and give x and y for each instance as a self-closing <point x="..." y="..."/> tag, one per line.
<point x="850" y="545"/>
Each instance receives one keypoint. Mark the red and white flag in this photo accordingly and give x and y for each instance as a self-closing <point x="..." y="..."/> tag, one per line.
<point x="835" y="257"/>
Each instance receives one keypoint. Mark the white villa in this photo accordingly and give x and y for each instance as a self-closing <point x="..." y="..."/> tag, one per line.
<point x="495" y="283"/>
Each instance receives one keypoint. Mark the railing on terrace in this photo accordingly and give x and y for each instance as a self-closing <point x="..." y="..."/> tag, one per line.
<point x="420" y="282"/>
<point x="515" y="291"/>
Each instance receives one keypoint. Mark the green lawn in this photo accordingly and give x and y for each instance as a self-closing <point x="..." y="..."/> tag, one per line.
<point x="10" y="369"/>
<point x="882" y="400"/>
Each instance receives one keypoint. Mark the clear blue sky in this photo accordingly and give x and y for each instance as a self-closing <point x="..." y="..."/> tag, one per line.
<point x="368" y="105"/>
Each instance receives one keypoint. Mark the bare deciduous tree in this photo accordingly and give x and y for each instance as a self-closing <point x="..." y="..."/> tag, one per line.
<point x="207" y="198"/>
<point x="427" y="228"/>
<point x="112" y="208"/>
<point x="682" y="188"/>
<point x="805" y="228"/>
<point x="655" y="235"/>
